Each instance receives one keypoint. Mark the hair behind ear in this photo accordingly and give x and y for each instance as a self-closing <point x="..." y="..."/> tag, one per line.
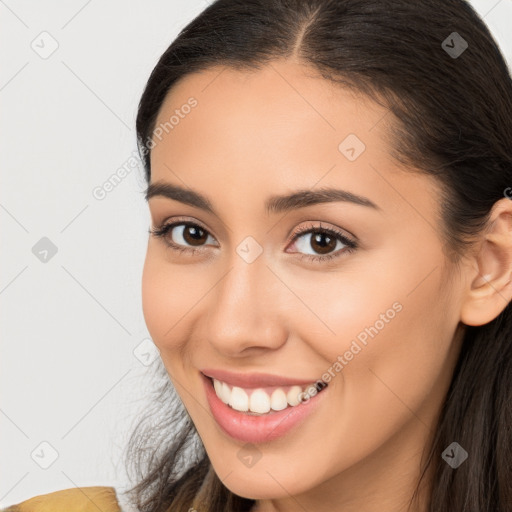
<point x="477" y="414"/>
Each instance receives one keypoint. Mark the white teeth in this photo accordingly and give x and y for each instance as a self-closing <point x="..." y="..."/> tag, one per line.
<point x="293" y="396"/>
<point x="239" y="399"/>
<point x="259" y="401"/>
<point x="225" y="393"/>
<point x="218" y="387"/>
<point x="278" y="400"/>
<point x="222" y="390"/>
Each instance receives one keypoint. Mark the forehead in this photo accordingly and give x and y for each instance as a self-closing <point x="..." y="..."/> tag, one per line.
<point x="274" y="128"/>
<point x="283" y="97"/>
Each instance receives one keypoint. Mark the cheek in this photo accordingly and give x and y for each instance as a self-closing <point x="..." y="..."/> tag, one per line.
<point x="154" y="298"/>
<point x="391" y="300"/>
<point x="166" y="297"/>
<point x="388" y="358"/>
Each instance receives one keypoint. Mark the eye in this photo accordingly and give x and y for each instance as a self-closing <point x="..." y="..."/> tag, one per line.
<point x="323" y="241"/>
<point x="181" y="234"/>
<point x="190" y="237"/>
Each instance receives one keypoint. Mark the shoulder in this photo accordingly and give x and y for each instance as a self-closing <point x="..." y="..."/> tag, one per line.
<point x="76" y="499"/>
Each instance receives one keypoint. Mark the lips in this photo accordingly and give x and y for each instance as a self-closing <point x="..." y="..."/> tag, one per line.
<point x="254" y="380"/>
<point x="260" y="428"/>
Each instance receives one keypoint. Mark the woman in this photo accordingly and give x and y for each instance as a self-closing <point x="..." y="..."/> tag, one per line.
<point x="328" y="276"/>
<point x="395" y="291"/>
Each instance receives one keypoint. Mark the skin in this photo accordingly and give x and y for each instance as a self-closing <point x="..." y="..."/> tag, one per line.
<point x="253" y="135"/>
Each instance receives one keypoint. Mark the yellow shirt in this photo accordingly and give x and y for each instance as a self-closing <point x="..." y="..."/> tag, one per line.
<point x="76" y="499"/>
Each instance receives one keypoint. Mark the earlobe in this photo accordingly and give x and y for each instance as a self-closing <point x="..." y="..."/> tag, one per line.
<point x="490" y="270"/>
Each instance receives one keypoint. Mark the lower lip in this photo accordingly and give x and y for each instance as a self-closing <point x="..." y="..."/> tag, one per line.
<point x="257" y="429"/>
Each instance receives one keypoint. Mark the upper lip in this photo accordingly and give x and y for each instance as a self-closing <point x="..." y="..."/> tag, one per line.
<point x="253" y="380"/>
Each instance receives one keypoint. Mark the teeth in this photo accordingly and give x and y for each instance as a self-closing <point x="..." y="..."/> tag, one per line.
<point x="239" y="399"/>
<point x="226" y="393"/>
<point x="222" y="390"/>
<point x="218" y="387"/>
<point x="259" y="401"/>
<point x="278" y="400"/>
<point x="293" y="396"/>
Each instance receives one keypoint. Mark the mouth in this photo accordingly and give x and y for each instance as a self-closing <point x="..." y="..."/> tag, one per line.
<point x="261" y="400"/>
<point x="260" y="414"/>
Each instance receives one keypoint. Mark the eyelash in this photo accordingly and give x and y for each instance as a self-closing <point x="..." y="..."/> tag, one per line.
<point x="351" y="245"/>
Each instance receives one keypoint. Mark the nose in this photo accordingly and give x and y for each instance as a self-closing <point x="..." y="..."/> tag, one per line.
<point x="243" y="315"/>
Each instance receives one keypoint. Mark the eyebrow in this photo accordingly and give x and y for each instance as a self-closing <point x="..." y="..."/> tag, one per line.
<point x="274" y="204"/>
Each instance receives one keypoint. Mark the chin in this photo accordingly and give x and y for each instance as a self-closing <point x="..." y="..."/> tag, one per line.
<point x="259" y="484"/>
<point x="268" y="489"/>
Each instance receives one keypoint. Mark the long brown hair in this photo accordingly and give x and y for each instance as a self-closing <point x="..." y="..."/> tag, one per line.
<point x="453" y="119"/>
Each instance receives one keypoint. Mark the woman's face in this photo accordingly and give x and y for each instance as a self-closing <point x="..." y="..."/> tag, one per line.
<point x="376" y="321"/>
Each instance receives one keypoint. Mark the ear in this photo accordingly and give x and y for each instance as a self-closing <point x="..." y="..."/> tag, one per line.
<point x="490" y="269"/>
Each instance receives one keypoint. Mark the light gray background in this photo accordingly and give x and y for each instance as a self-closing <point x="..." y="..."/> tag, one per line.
<point x="75" y="349"/>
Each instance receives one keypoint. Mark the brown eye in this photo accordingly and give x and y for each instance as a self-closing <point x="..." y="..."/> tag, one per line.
<point x="317" y="243"/>
<point x="193" y="235"/>
<point x="323" y="243"/>
<point x="182" y="235"/>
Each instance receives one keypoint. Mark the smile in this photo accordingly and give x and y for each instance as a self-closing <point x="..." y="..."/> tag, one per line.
<point x="259" y="400"/>
<point x="257" y="415"/>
